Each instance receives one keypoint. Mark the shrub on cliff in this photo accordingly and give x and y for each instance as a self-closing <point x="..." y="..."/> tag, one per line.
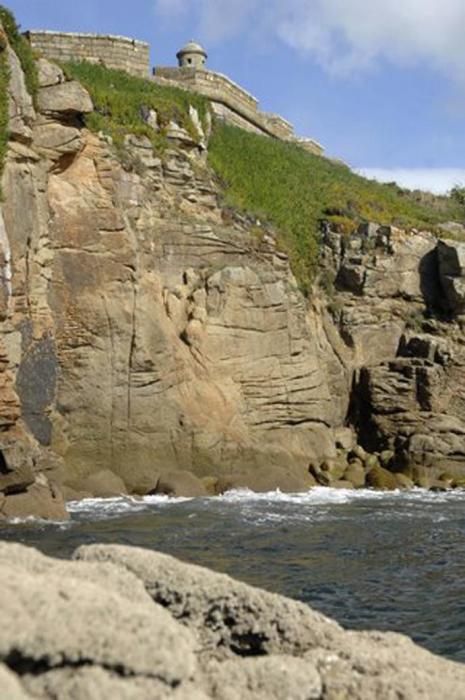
<point x="294" y="191"/>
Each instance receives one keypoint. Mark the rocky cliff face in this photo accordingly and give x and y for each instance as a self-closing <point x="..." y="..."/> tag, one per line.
<point x="398" y="304"/>
<point x="149" y="332"/>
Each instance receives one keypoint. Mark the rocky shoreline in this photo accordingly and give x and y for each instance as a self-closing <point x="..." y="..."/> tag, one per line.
<point x="139" y="625"/>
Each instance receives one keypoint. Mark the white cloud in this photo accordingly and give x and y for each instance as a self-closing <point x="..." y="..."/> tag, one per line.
<point x="437" y="180"/>
<point x="343" y="35"/>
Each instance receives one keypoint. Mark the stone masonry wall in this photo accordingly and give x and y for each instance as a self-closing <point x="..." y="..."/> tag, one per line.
<point x="230" y="116"/>
<point x="230" y="101"/>
<point x="113" y="51"/>
<point x="281" y="127"/>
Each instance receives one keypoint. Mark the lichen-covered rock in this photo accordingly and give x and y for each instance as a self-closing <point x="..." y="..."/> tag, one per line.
<point x="55" y="140"/>
<point x="385" y="666"/>
<point x="97" y="683"/>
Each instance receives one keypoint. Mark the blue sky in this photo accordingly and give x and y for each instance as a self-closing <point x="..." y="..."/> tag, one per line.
<point x="380" y="83"/>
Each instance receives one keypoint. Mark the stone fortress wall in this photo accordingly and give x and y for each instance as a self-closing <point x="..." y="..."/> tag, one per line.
<point x="229" y="101"/>
<point x="232" y="103"/>
<point x="114" y="51"/>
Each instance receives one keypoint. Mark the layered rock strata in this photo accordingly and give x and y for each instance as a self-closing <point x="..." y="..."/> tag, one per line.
<point x="149" y="332"/>
<point x="152" y="340"/>
<point x="397" y="303"/>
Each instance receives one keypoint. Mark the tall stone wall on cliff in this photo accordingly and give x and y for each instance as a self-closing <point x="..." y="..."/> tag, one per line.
<point x="230" y="102"/>
<point x="113" y="51"/>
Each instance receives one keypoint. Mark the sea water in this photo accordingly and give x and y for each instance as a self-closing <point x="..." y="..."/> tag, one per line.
<point x="371" y="560"/>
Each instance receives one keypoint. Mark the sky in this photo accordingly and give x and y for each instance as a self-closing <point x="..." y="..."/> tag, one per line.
<point x="380" y="83"/>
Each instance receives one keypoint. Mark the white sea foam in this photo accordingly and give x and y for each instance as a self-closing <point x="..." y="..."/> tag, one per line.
<point x="319" y="495"/>
<point x="120" y="505"/>
<point x="322" y="495"/>
<point x="32" y="520"/>
<point x="312" y="503"/>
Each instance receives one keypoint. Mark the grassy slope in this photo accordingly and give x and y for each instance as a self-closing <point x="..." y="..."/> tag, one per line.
<point x="293" y="190"/>
<point x="120" y="100"/>
<point x="280" y="183"/>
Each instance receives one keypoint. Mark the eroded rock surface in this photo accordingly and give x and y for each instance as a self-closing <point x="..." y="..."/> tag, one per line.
<point x="400" y="319"/>
<point x="146" y="332"/>
<point x="229" y="617"/>
<point x="138" y="625"/>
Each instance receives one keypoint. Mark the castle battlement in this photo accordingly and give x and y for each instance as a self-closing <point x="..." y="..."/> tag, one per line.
<point x="229" y="101"/>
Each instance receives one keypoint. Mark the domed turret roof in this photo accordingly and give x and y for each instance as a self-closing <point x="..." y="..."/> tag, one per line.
<point x="192" y="47"/>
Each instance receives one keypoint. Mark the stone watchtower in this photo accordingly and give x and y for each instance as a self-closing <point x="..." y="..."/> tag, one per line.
<point x="192" y="55"/>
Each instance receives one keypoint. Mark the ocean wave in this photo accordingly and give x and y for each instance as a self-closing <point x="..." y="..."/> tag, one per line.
<point x="120" y="505"/>
<point x="309" y="502"/>
<point x="33" y="520"/>
<point x="321" y="495"/>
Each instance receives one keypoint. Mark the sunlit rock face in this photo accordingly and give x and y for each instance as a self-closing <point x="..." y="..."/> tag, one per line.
<point x="151" y="339"/>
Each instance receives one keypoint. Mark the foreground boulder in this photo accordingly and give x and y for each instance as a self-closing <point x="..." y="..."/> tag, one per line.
<point x="124" y="623"/>
<point x="229" y="618"/>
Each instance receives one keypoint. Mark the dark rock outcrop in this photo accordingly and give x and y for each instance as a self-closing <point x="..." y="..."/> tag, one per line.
<point x="403" y="334"/>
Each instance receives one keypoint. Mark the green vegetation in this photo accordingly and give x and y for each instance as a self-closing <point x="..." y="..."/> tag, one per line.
<point x="121" y="100"/>
<point x="293" y="191"/>
<point x="457" y="193"/>
<point x="279" y="183"/>
<point x="21" y="47"/>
